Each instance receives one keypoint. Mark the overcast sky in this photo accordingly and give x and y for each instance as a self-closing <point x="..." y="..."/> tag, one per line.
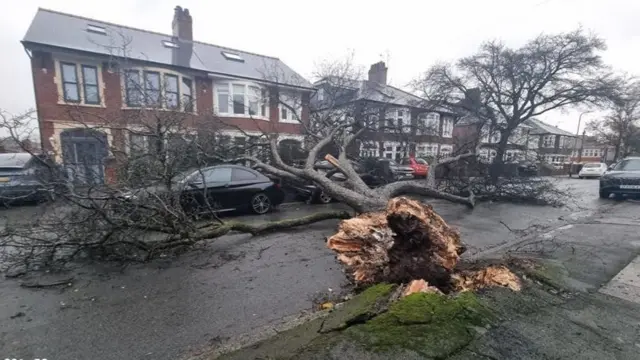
<point x="409" y="35"/>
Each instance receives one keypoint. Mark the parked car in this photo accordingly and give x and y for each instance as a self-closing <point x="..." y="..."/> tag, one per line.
<point x="592" y="170"/>
<point x="420" y="166"/>
<point x="24" y="176"/>
<point x="399" y="172"/>
<point x="621" y="179"/>
<point x="527" y="169"/>
<point x="219" y="188"/>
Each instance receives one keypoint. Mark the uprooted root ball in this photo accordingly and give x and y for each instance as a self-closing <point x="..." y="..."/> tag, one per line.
<point x="409" y="241"/>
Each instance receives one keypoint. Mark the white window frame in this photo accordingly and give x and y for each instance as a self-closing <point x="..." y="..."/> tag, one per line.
<point x="228" y="85"/>
<point x="445" y="149"/>
<point x="429" y="124"/>
<point x="546" y="139"/>
<point x="447" y="127"/>
<point x="372" y="149"/>
<point x="394" y="145"/>
<point x="402" y="114"/>
<point x="427" y="149"/>
<point x="287" y="102"/>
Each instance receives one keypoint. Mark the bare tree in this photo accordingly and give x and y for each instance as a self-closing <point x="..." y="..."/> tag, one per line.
<point x="548" y="73"/>
<point x="620" y="127"/>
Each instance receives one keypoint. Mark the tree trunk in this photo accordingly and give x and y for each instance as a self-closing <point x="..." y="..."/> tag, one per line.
<point x="497" y="166"/>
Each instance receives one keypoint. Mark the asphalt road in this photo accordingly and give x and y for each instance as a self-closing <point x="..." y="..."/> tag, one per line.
<point x="175" y="307"/>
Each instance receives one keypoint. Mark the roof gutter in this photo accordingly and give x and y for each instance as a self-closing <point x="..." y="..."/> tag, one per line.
<point x="210" y="74"/>
<point x="218" y="75"/>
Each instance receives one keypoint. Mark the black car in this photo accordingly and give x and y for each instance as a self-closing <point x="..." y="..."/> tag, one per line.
<point x="24" y="176"/>
<point x="218" y="188"/>
<point x="621" y="179"/>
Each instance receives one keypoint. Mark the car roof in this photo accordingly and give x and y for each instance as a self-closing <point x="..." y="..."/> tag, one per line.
<point x="233" y="166"/>
<point x="15" y="160"/>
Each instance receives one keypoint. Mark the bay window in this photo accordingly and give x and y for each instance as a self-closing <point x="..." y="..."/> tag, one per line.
<point x="290" y="108"/>
<point x="152" y="88"/>
<point x="398" y="120"/>
<point x="187" y="94"/>
<point x="158" y="89"/>
<point x="429" y="124"/>
<point x="549" y="141"/>
<point x="240" y="99"/>
<point x="133" y="88"/>
<point x="172" y="95"/>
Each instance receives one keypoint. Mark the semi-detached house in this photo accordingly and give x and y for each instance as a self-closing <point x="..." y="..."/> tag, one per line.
<point x="107" y="73"/>
<point x="399" y="124"/>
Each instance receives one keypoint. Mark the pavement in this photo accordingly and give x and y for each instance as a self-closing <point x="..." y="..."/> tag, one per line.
<point x="179" y="307"/>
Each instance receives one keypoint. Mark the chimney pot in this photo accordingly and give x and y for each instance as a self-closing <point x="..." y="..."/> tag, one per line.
<point x="182" y="24"/>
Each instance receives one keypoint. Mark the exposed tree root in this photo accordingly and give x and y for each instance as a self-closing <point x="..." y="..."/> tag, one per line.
<point x="407" y="242"/>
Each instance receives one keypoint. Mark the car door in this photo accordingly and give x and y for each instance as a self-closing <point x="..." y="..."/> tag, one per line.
<point x="217" y="184"/>
<point x="192" y="197"/>
<point x="244" y="184"/>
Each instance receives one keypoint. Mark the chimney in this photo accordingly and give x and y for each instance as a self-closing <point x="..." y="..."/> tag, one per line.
<point x="378" y="73"/>
<point x="182" y="24"/>
<point x="472" y="97"/>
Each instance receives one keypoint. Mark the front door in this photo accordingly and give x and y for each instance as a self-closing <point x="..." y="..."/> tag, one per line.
<point x="83" y="154"/>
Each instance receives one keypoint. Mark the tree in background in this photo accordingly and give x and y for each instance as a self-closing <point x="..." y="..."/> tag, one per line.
<point x="547" y="73"/>
<point x="621" y="127"/>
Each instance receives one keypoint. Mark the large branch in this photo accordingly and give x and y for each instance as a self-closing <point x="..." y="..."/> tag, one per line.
<point x="223" y="229"/>
<point x="421" y="188"/>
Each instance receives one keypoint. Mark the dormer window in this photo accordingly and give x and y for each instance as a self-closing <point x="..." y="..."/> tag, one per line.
<point x="232" y="56"/>
<point x="96" y="29"/>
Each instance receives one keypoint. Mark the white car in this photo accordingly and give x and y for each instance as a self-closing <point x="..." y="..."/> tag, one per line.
<point x="592" y="170"/>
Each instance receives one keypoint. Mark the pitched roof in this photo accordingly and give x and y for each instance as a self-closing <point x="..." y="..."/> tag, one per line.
<point x="52" y="28"/>
<point x="372" y="91"/>
<point x="541" y="127"/>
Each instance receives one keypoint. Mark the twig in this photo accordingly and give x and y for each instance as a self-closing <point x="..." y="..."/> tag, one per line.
<point x="36" y="285"/>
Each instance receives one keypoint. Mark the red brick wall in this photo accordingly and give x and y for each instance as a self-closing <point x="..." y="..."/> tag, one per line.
<point x="43" y="68"/>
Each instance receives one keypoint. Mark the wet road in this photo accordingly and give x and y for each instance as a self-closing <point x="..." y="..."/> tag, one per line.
<point x="175" y="307"/>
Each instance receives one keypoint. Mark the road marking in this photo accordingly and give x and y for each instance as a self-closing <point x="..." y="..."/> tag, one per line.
<point x="626" y="284"/>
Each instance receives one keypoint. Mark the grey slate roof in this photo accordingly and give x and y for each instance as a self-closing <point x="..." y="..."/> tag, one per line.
<point x="52" y="28"/>
<point x="383" y="93"/>
<point x="541" y="128"/>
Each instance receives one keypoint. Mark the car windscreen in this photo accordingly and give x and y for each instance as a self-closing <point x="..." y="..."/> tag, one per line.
<point x="591" y="166"/>
<point x="628" y="165"/>
<point x="421" y="161"/>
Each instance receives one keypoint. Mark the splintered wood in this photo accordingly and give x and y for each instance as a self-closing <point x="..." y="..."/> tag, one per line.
<point x="409" y="243"/>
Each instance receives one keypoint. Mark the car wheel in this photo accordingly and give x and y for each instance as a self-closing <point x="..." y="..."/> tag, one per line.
<point x="260" y="203"/>
<point x="323" y="198"/>
<point x="604" y="194"/>
<point x="580" y="177"/>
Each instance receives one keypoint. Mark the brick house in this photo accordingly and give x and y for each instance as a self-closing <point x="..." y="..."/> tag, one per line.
<point x="533" y="140"/>
<point x="589" y="149"/>
<point x="94" y="70"/>
<point x="399" y="123"/>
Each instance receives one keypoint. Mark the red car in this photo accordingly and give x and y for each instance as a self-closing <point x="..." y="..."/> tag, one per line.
<point x="420" y="166"/>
